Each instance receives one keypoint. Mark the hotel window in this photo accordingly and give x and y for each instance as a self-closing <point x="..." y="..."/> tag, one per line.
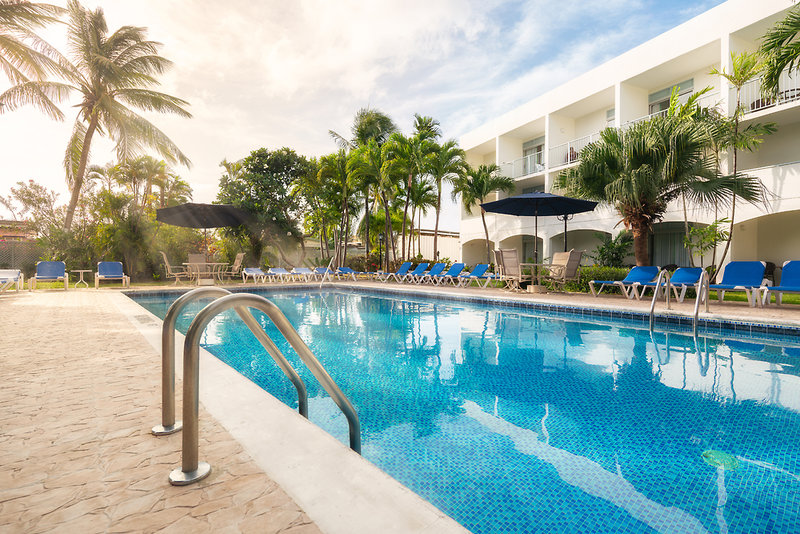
<point x="659" y="101"/>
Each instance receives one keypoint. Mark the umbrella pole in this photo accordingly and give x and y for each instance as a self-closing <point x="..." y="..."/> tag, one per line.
<point x="565" y="233"/>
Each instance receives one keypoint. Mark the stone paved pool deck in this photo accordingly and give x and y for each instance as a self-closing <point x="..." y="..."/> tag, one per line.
<point x="80" y="393"/>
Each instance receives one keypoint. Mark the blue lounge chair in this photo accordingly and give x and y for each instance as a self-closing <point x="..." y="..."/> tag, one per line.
<point x="110" y="270"/>
<point x="51" y="271"/>
<point x="682" y="279"/>
<point x="637" y="276"/>
<point x="744" y="276"/>
<point x="478" y="274"/>
<point x="790" y="283"/>
<point x="305" y="273"/>
<point x="325" y="273"/>
<point x="255" y="273"/>
<point x="347" y="272"/>
<point x="436" y="270"/>
<point x="281" y="273"/>
<point x="10" y="277"/>
<point x="383" y="277"/>
<point x="450" y="276"/>
<point x="410" y="276"/>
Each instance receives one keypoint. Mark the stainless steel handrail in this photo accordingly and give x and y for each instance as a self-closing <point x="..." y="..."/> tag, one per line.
<point x="702" y="290"/>
<point x="168" y="424"/>
<point x="662" y="273"/>
<point x="192" y="469"/>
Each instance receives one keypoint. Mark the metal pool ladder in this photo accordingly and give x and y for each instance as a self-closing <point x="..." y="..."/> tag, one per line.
<point x="702" y="294"/>
<point x="663" y="273"/>
<point x="191" y="469"/>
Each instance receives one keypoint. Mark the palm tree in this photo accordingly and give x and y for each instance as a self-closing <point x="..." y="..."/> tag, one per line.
<point x="745" y="66"/>
<point x="446" y="164"/>
<point x="642" y="168"/>
<point x="475" y="185"/>
<point x="780" y="49"/>
<point x="173" y="190"/>
<point x="27" y="60"/>
<point x="368" y="124"/>
<point x="113" y="72"/>
<point x="371" y="160"/>
<point x="333" y="170"/>
<point x="109" y="174"/>
<point x="422" y="197"/>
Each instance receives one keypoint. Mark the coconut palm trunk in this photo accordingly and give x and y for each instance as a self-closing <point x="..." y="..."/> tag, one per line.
<point x="77" y="179"/>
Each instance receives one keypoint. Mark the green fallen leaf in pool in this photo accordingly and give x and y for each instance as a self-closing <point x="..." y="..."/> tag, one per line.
<point x="719" y="458"/>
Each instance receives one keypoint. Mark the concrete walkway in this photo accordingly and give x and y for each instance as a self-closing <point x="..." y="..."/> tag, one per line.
<point x="80" y="392"/>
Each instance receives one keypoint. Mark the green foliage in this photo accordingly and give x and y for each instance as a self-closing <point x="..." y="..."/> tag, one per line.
<point x="595" y="272"/>
<point x="263" y="187"/>
<point x="612" y="252"/>
<point x="704" y="238"/>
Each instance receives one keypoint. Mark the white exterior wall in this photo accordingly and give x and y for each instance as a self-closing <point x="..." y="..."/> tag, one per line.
<point x="577" y="109"/>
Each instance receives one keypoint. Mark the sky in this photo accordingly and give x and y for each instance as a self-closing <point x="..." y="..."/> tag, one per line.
<point x="275" y="73"/>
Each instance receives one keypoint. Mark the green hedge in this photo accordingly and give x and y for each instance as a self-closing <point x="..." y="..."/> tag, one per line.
<point x="595" y="272"/>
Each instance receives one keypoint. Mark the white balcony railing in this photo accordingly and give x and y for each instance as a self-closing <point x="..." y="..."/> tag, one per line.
<point x="708" y="100"/>
<point x="530" y="164"/>
<point x="567" y="153"/>
<point x="752" y="100"/>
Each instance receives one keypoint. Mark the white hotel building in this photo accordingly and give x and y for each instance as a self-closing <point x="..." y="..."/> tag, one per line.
<point x="538" y="140"/>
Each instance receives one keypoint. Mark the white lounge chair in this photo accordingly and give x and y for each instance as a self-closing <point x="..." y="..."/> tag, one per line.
<point x="10" y="277"/>
<point x="51" y="271"/>
<point x="110" y="270"/>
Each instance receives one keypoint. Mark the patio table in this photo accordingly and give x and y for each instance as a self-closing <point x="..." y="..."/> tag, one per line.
<point x="205" y="271"/>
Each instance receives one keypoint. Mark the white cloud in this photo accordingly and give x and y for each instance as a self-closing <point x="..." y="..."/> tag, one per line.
<point x="275" y="73"/>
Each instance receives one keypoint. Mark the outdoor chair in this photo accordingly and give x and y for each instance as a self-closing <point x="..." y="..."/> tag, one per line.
<point x="347" y="272"/>
<point x="305" y="273"/>
<point x="11" y="277"/>
<point x="174" y="271"/>
<point x="383" y="277"/>
<point x="637" y="276"/>
<point x="325" y="273"/>
<point x="424" y="278"/>
<point x="50" y="271"/>
<point x="234" y="270"/>
<point x="450" y="276"/>
<point x="681" y="280"/>
<point x="511" y="269"/>
<point x="790" y="283"/>
<point x="280" y="273"/>
<point x="478" y="274"/>
<point x="110" y="270"/>
<point x="744" y="276"/>
<point x="253" y="272"/>
<point x="564" y="267"/>
<point x="419" y="270"/>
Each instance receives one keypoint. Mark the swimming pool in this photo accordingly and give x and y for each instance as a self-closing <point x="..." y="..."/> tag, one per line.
<point x="513" y="421"/>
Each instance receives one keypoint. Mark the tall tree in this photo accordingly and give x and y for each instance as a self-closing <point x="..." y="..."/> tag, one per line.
<point x="640" y="169"/>
<point x="422" y="195"/>
<point x="780" y="50"/>
<point x="333" y="170"/>
<point x="27" y="60"/>
<point x="368" y="124"/>
<point x="113" y="73"/>
<point x="263" y="188"/>
<point x="475" y="185"/>
<point x="446" y="164"/>
<point x="745" y="66"/>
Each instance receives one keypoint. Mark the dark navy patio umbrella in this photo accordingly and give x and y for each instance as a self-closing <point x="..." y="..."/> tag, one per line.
<point x="193" y="215"/>
<point x="536" y="204"/>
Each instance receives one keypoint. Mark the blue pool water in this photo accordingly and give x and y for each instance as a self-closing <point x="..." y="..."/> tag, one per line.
<point x="512" y="421"/>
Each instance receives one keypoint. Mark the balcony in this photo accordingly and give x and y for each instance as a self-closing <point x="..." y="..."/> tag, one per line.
<point x="530" y="164"/>
<point x="751" y="99"/>
<point x="567" y="153"/>
<point x="708" y="100"/>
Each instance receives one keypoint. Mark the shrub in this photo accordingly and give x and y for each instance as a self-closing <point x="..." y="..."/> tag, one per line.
<point x="612" y="252"/>
<point x="595" y="272"/>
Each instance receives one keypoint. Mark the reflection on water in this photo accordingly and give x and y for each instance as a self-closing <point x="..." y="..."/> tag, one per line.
<point x="518" y="422"/>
